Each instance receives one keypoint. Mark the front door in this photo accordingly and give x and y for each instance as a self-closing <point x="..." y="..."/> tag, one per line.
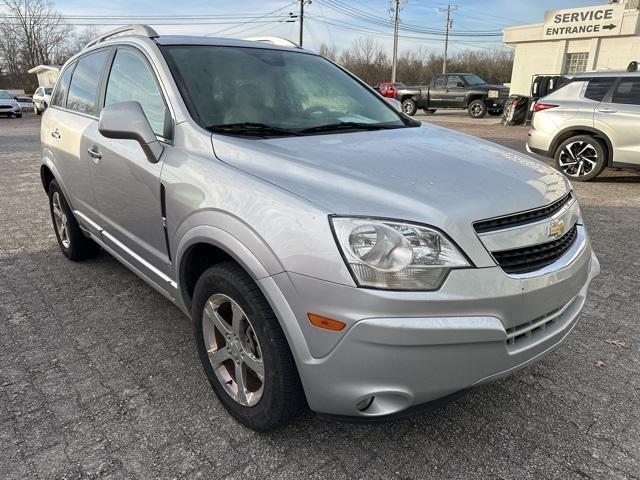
<point x="126" y="185"/>
<point x="619" y="117"/>
<point x="455" y="92"/>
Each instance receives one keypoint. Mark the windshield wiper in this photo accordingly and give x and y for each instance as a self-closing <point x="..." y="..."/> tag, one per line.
<point x="332" y="127"/>
<point x="250" y="128"/>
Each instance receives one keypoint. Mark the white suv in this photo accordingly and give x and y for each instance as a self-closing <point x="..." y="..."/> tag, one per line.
<point x="589" y="124"/>
<point x="42" y="99"/>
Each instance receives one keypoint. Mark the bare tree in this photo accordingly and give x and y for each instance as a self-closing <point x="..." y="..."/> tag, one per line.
<point x="31" y="33"/>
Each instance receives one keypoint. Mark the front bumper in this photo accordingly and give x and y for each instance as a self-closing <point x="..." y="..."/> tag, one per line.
<point x="13" y="110"/>
<point x="407" y="348"/>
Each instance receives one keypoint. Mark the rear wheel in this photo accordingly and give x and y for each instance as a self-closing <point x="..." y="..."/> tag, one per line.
<point x="581" y="158"/>
<point x="477" y="109"/>
<point x="243" y="350"/>
<point x="409" y="107"/>
<point x="73" y="243"/>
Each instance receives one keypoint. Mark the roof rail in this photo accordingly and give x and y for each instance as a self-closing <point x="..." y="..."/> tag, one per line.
<point x="279" y="41"/>
<point x="144" y="30"/>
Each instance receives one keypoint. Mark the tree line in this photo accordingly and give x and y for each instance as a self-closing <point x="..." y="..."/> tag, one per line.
<point x="367" y="59"/>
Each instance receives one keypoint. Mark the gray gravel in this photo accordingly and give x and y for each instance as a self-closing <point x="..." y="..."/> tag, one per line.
<point x="99" y="376"/>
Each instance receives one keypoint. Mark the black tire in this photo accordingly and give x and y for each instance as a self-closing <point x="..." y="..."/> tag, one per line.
<point x="429" y="111"/>
<point x="409" y="107"/>
<point x="37" y="111"/>
<point x="282" y="395"/>
<point x="583" y="167"/>
<point x="79" y="247"/>
<point x="18" y="115"/>
<point x="477" y="109"/>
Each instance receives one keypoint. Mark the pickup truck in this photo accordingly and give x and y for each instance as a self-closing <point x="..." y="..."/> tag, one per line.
<point x="465" y="91"/>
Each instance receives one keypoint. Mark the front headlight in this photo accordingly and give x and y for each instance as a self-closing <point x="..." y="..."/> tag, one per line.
<point x="494" y="93"/>
<point x="396" y="255"/>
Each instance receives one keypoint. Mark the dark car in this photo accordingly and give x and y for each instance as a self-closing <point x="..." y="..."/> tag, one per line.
<point x="466" y="91"/>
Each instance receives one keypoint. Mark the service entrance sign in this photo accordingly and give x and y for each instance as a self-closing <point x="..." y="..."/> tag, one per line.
<point x="603" y="21"/>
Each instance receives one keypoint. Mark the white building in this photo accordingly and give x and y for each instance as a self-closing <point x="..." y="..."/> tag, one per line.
<point x="47" y="74"/>
<point x="575" y="40"/>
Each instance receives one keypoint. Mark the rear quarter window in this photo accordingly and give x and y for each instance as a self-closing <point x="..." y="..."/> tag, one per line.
<point x="62" y="87"/>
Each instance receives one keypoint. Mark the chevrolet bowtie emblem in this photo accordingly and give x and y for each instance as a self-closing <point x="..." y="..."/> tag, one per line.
<point x="556" y="229"/>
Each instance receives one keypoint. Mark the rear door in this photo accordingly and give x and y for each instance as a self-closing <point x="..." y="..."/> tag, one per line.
<point x="619" y="117"/>
<point x="437" y="92"/>
<point x="127" y="186"/>
<point x="65" y="126"/>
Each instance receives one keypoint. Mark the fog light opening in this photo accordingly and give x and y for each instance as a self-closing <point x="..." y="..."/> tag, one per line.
<point x="364" y="404"/>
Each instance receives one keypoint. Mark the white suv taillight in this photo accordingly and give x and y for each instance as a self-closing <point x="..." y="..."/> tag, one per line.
<point x="539" y="107"/>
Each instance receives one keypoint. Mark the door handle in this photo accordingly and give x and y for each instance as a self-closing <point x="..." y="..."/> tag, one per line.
<point x="93" y="153"/>
<point x="607" y="110"/>
<point x="56" y="134"/>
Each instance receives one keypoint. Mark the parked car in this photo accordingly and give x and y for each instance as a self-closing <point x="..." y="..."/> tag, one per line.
<point x="41" y="99"/>
<point x="8" y="105"/>
<point x="590" y="124"/>
<point x="25" y="102"/>
<point x="389" y="89"/>
<point x="465" y="91"/>
<point x="330" y="250"/>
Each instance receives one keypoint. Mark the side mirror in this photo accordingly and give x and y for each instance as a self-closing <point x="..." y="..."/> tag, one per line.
<point x="394" y="103"/>
<point x="127" y="121"/>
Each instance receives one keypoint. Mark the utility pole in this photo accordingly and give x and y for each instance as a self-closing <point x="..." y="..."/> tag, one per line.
<point x="302" y="2"/>
<point x="450" y="8"/>
<point x="396" y="22"/>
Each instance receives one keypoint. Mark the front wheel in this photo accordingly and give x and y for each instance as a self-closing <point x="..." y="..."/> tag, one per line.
<point x="36" y="110"/>
<point x="243" y="350"/>
<point x="409" y="107"/>
<point x="581" y="158"/>
<point x="477" y="109"/>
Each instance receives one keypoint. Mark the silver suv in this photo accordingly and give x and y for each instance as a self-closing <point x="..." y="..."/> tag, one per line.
<point x="590" y="124"/>
<point x="329" y="250"/>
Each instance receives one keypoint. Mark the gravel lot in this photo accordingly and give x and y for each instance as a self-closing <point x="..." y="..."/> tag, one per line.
<point x="99" y="376"/>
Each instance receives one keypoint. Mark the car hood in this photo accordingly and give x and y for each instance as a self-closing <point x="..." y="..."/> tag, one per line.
<point x="426" y="174"/>
<point x="7" y="101"/>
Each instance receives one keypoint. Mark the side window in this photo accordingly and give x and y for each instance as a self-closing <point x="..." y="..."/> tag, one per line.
<point x="62" y="87"/>
<point x="131" y="79"/>
<point x="627" y="92"/>
<point x="453" y="80"/>
<point x="85" y="82"/>
<point x="440" y="82"/>
<point x="598" y="88"/>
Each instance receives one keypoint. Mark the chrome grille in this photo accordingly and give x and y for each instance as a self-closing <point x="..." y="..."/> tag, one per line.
<point x="529" y="259"/>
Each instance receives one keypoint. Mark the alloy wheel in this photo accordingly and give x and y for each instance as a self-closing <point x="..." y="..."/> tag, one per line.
<point x="61" y="221"/>
<point x="233" y="349"/>
<point x="578" y="159"/>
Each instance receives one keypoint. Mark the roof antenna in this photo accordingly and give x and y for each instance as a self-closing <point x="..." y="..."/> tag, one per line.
<point x="633" y="67"/>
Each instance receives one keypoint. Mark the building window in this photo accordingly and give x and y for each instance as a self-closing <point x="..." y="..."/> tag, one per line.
<point x="576" y="62"/>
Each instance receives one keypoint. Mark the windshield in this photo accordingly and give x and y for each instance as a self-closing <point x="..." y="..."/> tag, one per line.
<point x="4" y="95"/>
<point x="48" y="90"/>
<point x="474" y="80"/>
<point x="284" y="91"/>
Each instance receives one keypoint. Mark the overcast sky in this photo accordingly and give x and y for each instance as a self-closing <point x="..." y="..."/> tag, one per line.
<point x="334" y="22"/>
